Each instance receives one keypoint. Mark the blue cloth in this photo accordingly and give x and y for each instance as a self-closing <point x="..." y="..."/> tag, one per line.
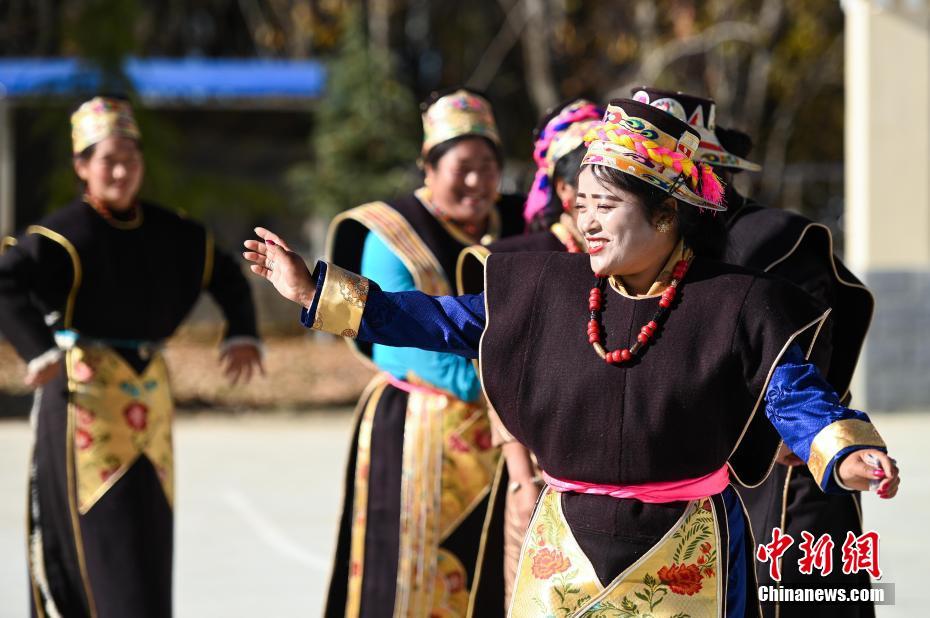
<point x="798" y="401"/>
<point x="449" y="372"/>
<point x="736" y="571"/>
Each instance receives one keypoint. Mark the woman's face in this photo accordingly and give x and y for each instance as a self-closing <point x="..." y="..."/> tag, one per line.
<point x="621" y="240"/>
<point x="464" y="182"/>
<point x="113" y="174"/>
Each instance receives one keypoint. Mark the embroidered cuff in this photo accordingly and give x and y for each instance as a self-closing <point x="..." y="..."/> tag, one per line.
<point x="339" y="302"/>
<point x="40" y="362"/>
<point x="837" y="439"/>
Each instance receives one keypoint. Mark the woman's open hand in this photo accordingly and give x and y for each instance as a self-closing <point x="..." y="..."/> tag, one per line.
<point x="272" y="259"/>
<point x="860" y="467"/>
<point x="239" y="361"/>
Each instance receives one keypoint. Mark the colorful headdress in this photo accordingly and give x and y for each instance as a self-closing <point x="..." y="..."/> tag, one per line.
<point x="654" y="146"/>
<point x="100" y="118"/>
<point x="457" y="114"/>
<point x="561" y="135"/>
<point x="700" y="113"/>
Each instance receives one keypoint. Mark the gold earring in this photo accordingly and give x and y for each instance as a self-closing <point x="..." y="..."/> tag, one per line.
<point x="663" y="226"/>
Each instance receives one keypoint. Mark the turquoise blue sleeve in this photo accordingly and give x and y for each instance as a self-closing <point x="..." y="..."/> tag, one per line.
<point x="446" y="371"/>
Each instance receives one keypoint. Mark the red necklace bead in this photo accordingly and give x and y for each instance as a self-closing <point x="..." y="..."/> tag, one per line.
<point x="646" y="333"/>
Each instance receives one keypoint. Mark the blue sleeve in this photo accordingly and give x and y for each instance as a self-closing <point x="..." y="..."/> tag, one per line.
<point x="450" y="324"/>
<point x="448" y="372"/>
<point x="808" y="415"/>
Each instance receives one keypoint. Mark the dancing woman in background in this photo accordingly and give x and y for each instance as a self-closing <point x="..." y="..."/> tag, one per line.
<point x="87" y="297"/>
<point x="422" y="464"/>
<point x="645" y="377"/>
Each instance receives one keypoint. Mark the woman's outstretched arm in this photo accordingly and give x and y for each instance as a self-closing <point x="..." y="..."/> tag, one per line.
<point x="337" y="301"/>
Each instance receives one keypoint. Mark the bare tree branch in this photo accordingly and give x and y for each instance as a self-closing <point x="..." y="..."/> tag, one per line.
<point x="537" y="59"/>
<point x="379" y="20"/>
<point x="258" y="26"/>
<point x="655" y="61"/>
<point x="500" y="46"/>
<point x="782" y="122"/>
<point x="771" y="19"/>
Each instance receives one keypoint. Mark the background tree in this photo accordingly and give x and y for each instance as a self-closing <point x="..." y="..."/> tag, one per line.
<point x="365" y="139"/>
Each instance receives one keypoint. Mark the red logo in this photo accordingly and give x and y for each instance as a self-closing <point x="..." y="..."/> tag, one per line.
<point x="860" y="553"/>
<point x="772" y="552"/>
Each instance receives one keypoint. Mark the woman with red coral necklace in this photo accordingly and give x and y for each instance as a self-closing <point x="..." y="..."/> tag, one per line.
<point x="644" y="387"/>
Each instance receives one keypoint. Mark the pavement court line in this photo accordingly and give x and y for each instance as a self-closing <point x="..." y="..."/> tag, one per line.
<point x="273" y="536"/>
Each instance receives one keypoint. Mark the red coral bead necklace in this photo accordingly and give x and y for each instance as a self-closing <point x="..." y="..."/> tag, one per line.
<point x="646" y="333"/>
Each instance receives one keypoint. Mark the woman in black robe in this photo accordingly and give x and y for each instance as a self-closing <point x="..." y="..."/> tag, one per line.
<point x="87" y="297"/>
<point x="407" y="474"/>
<point x="639" y="444"/>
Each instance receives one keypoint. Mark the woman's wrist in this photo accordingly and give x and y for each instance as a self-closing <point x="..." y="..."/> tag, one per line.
<point x="515" y="486"/>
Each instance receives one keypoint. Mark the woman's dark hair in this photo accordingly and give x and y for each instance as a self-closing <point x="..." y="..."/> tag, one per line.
<point x="566" y="169"/>
<point x="703" y="231"/>
<point x="440" y="150"/>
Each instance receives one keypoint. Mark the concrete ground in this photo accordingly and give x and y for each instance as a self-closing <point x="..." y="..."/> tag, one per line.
<point x="258" y="497"/>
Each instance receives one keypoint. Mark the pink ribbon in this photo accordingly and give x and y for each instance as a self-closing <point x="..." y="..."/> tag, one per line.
<point x="411" y="388"/>
<point x="665" y="491"/>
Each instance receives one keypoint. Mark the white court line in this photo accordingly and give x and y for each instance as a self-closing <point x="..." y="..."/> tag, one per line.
<point x="272" y="535"/>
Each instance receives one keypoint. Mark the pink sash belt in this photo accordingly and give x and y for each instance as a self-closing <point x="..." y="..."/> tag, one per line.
<point x="412" y="388"/>
<point x="665" y="491"/>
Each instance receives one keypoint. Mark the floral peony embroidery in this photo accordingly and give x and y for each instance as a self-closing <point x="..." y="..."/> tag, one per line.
<point x="83" y="439"/>
<point x="82" y="372"/>
<point x="84" y="416"/>
<point x="681" y="578"/>
<point x="483" y="439"/>
<point x="455" y="582"/>
<point x="458" y="444"/>
<point x="549" y="562"/>
<point x="106" y="473"/>
<point x="136" y="415"/>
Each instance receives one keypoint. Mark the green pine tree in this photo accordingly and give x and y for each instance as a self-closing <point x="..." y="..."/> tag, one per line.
<point x="366" y="136"/>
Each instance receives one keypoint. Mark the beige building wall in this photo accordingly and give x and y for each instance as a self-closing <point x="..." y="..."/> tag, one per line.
<point x="887" y="223"/>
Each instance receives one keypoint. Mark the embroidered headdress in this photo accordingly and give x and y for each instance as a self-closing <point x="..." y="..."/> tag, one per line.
<point x="656" y="147"/>
<point x="457" y="114"/>
<point x="562" y="134"/>
<point x="700" y="113"/>
<point x="99" y="118"/>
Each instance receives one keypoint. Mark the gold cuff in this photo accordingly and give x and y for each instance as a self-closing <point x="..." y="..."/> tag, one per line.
<point x="341" y="302"/>
<point x="835" y="437"/>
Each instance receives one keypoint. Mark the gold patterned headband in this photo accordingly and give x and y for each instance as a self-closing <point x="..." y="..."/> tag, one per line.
<point x="100" y="118"/>
<point x="631" y="141"/>
<point x="457" y="114"/>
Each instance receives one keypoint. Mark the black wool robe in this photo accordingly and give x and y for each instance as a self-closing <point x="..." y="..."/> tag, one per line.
<point x="798" y="250"/>
<point x="128" y="285"/>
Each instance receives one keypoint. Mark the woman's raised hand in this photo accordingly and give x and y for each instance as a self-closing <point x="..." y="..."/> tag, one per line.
<point x="860" y="467"/>
<point x="272" y="259"/>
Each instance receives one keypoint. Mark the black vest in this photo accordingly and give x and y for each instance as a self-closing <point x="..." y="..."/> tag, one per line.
<point x="693" y="400"/>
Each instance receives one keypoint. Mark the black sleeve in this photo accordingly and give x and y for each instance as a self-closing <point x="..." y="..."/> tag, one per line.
<point x="809" y="268"/>
<point x="230" y="289"/>
<point x="35" y="278"/>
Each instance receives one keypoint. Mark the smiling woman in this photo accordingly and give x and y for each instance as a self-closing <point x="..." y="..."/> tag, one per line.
<point x="87" y="297"/>
<point x="409" y="476"/>
<point x="639" y="446"/>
